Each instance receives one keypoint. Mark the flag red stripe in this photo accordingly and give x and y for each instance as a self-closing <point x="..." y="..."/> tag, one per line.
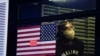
<point x="28" y="37"/>
<point x="37" y="45"/>
<point x="52" y="54"/>
<point x="24" y="41"/>
<point x="36" y="50"/>
<point x="28" y="27"/>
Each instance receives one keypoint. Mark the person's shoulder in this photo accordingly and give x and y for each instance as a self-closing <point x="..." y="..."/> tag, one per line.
<point x="78" y="40"/>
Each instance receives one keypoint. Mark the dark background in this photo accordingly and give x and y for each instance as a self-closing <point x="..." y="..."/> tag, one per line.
<point x="29" y="9"/>
<point x="20" y="14"/>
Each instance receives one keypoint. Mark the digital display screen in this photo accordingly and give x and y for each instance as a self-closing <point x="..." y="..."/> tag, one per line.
<point x="45" y="40"/>
<point x="67" y="36"/>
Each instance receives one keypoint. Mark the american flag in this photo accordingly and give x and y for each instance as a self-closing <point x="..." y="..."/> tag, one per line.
<point x="36" y="40"/>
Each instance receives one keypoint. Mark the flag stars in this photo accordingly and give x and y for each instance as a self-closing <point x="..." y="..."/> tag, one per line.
<point x="48" y="32"/>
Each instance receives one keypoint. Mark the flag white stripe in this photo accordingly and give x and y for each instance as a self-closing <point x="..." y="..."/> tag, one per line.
<point x="28" y="39"/>
<point x="36" y="52"/>
<point x="28" y="34"/>
<point x="27" y="30"/>
<point x="44" y="42"/>
<point x="36" y="48"/>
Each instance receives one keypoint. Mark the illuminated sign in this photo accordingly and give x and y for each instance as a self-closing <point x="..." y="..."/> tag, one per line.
<point x="3" y="26"/>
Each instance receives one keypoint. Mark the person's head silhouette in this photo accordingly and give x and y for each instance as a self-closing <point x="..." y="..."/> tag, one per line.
<point x="67" y="29"/>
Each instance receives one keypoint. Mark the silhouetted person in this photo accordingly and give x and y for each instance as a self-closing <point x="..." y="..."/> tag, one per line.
<point x="67" y="44"/>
